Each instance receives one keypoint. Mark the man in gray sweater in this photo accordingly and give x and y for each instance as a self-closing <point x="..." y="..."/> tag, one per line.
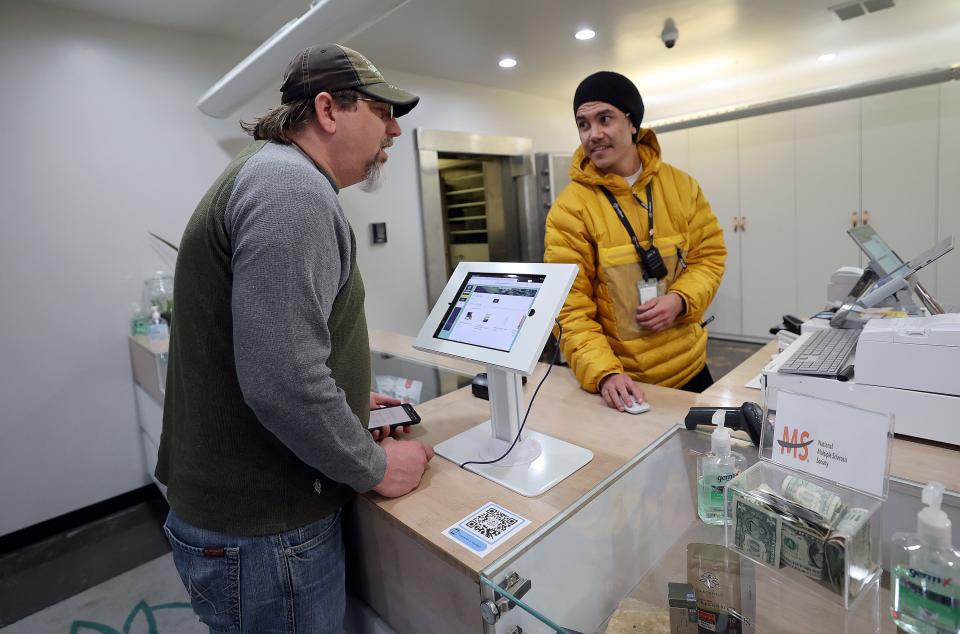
<point x="265" y="419"/>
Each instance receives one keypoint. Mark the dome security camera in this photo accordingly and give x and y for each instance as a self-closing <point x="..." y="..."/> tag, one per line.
<point x="669" y="35"/>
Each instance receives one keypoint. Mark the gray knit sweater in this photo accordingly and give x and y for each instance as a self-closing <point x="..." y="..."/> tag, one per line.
<point x="268" y="386"/>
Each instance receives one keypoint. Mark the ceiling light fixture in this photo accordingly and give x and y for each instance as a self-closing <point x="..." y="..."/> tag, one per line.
<point x="718" y="83"/>
<point x="508" y="62"/>
<point x="827" y="57"/>
<point x="585" y="34"/>
<point x="324" y="21"/>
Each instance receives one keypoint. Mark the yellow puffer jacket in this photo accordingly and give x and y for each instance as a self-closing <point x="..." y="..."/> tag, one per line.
<point x="600" y="335"/>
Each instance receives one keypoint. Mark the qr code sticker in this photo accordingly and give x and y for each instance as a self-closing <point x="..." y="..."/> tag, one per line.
<point x="491" y="523"/>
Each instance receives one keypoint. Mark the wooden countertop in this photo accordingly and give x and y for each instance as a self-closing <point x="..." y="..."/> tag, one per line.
<point x="153" y="347"/>
<point x="448" y="493"/>
<point x="402" y="346"/>
<point x="912" y="459"/>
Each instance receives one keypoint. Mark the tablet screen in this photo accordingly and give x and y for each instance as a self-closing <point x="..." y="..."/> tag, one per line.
<point x="876" y="249"/>
<point x="490" y="310"/>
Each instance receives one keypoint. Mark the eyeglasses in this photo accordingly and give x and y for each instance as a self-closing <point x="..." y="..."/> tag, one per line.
<point x="385" y="114"/>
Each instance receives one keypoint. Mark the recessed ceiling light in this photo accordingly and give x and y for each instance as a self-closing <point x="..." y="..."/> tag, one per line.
<point x="718" y="83"/>
<point x="585" y="34"/>
<point x="508" y="62"/>
<point x="827" y="57"/>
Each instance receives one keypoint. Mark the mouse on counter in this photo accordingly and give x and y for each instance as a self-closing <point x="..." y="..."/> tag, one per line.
<point x="636" y="408"/>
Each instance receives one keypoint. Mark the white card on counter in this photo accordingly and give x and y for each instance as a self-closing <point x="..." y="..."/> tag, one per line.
<point x="834" y="441"/>
<point x="485" y="529"/>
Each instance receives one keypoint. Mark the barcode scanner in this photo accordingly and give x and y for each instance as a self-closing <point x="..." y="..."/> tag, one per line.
<point x="748" y="417"/>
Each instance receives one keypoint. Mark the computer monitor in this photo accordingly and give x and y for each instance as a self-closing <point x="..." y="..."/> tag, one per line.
<point x="899" y="278"/>
<point x="501" y="314"/>
<point x="887" y="275"/>
<point x="884" y="259"/>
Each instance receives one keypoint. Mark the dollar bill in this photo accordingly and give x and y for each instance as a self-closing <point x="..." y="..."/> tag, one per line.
<point x="803" y="549"/>
<point x="757" y="531"/>
<point x="813" y="497"/>
<point x="764" y="488"/>
<point x="850" y="540"/>
<point x="789" y="511"/>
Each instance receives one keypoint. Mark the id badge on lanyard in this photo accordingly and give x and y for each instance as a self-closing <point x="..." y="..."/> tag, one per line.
<point x="648" y="289"/>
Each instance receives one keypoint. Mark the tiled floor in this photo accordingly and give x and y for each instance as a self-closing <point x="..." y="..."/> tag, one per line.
<point x="723" y="355"/>
<point x="59" y="570"/>
<point x="48" y="571"/>
<point x="146" y="600"/>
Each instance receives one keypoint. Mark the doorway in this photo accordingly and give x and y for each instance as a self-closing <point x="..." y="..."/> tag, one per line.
<point x="477" y="196"/>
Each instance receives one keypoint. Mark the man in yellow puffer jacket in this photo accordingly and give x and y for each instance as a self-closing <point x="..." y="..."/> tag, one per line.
<point x="610" y="338"/>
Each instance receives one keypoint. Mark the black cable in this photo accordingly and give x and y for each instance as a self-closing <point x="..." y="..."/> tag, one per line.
<point x="556" y="353"/>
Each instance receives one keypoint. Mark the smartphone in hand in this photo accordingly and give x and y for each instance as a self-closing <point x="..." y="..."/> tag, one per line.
<point x="393" y="416"/>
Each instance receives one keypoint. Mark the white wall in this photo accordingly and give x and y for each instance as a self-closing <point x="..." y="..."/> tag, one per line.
<point x="103" y="144"/>
<point x="394" y="273"/>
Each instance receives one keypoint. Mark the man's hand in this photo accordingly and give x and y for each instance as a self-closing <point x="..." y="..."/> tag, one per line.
<point x="406" y="462"/>
<point x="382" y="400"/>
<point x="619" y="390"/>
<point x="659" y="313"/>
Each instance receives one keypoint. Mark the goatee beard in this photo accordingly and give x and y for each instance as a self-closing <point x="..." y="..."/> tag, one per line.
<point x="371" y="179"/>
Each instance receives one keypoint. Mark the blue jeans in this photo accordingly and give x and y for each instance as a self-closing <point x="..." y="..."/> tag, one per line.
<point x="288" y="583"/>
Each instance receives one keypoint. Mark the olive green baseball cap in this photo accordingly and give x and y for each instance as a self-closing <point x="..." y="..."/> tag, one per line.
<point x="333" y="67"/>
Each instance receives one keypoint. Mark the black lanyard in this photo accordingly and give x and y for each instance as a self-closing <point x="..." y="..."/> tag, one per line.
<point x="626" y="223"/>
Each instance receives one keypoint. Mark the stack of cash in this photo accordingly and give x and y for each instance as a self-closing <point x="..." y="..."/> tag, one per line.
<point x="758" y="529"/>
<point x="849" y="540"/>
<point x="810" y="496"/>
<point x="804" y="527"/>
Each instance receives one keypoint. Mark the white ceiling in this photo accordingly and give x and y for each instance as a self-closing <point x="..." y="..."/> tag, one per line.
<point x="250" y="20"/>
<point x="728" y="52"/>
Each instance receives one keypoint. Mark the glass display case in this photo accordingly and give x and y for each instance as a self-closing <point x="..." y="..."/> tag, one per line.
<point x="631" y="555"/>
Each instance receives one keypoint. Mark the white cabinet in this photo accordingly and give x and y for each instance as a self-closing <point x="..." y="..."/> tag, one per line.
<point x="713" y="163"/>
<point x="768" y="222"/>
<point x="787" y="186"/>
<point x="947" y="269"/>
<point x="828" y="197"/>
<point x="899" y="134"/>
<point x="675" y="148"/>
<point x="148" y="360"/>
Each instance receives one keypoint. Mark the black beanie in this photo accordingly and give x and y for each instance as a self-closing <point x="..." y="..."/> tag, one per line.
<point x="614" y="89"/>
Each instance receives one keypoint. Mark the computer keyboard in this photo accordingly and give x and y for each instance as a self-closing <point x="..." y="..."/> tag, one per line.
<point x="825" y="353"/>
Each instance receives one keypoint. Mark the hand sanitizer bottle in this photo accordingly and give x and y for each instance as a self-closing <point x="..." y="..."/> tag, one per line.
<point x="139" y="320"/>
<point x="158" y="330"/>
<point x="925" y="582"/>
<point x="714" y="470"/>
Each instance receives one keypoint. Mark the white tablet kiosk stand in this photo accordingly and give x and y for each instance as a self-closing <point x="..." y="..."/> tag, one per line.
<point x="501" y="314"/>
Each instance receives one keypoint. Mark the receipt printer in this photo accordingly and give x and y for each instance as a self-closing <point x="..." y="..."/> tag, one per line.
<point x="912" y="353"/>
<point x="841" y="283"/>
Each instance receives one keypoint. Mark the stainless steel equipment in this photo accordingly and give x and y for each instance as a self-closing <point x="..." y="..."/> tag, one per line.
<point x="472" y="191"/>
<point x="553" y="174"/>
<point x="482" y="199"/>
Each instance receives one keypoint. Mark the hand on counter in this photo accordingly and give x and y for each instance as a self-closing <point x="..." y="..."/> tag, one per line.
<point x="384" y="432"/>
<point x="617" y="388"/>
<point x="659" y="313"/>
<point x="406" y="462"/>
